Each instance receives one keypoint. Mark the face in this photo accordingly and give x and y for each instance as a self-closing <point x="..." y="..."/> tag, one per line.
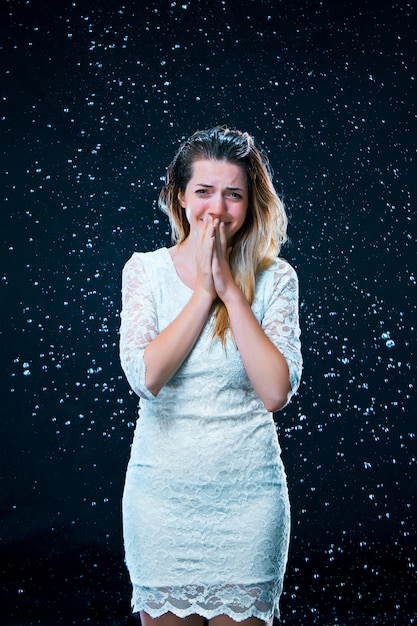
<point x="216" y="189"/>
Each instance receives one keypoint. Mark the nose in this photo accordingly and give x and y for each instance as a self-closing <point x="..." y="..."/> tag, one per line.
<point x="217" y="205"/>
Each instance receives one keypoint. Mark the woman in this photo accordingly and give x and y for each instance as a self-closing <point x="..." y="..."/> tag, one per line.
<point x="210" y="343"/>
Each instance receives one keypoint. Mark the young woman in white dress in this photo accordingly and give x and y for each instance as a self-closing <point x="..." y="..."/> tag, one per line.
<point x="210" y="343"/>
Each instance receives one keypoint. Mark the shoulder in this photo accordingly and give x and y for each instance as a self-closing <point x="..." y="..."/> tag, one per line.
<point x="277" y="283"/>
<point x="143" y="269"/>
<point x="144" y="260"/>
<point x="280" y="272"/>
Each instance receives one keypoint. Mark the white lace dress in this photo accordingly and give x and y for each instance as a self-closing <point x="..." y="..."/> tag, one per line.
<point x="206" y="516"/>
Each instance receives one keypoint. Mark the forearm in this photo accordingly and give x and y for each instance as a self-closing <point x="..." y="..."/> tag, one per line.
<point x="166" y="353"/>
<point x="265" y="366"/>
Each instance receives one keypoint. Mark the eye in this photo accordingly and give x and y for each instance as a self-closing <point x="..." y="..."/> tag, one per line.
<point x="235" y="196"/>
<point x="201" y="192"/>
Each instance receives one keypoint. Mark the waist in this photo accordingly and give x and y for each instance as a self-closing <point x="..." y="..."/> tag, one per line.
<point x="193" y="440"/>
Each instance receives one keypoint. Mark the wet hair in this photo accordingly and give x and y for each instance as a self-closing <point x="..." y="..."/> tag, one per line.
<point x="258" y="242"/>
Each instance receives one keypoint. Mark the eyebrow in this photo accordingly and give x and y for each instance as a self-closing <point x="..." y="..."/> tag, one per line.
<point x="210" y="186"/>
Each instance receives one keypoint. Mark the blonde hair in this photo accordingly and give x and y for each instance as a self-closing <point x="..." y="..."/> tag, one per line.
<point x="258" y="242"/>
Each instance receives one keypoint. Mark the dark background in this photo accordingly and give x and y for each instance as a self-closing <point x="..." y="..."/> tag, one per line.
<point x="95" y="97"/>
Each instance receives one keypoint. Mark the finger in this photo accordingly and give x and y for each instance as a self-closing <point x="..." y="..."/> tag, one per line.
<point x="217" y="252"/>
<point x="204" y="233"/>
<point x="209" y="228"/>
<point x="223" y="238"/>
<point x="221" y="241"/>
<point x="205" y="244"/>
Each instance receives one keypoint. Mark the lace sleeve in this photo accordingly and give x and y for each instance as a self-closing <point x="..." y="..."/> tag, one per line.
<point x="281" y="320"/>
<point x="138" y="324"/>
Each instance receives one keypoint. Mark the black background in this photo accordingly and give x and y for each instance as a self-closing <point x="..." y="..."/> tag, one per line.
<point x="95" y="97"/>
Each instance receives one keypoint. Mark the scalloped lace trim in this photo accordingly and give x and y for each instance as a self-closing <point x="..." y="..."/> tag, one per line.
<point x="236" y="601"/>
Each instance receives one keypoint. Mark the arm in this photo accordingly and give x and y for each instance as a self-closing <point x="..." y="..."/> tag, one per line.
<point x="265" y="365"/>
<point x="167" y="351"/>
<point x="264" y="350"/>
<point x="139" y="324"/>
<point x="150" y="358"/>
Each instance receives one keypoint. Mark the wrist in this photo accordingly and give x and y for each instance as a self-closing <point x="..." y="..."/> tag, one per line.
<point x="203" y="298"/>
<point x="233" y="297"/>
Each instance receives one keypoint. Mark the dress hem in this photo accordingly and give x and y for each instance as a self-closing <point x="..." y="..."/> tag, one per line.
<point x="207" y="614"/>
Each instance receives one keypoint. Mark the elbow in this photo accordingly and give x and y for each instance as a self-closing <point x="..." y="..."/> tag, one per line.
<point x="153" y="390"/>
<point x="152" y="386"/>
<point x="276" y="405"/>
<point x="135" y="378"/>
<point x="277" y="401"/>
<point x="151" y="381"/>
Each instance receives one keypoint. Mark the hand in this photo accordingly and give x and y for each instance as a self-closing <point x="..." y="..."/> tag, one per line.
<point x="223" y="280"/>
<point x="204" y="257"/>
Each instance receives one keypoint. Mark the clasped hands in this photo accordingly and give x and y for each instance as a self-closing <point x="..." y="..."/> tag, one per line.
<point x="213" y="271"/>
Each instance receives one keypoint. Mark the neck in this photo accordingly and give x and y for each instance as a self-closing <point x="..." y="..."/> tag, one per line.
<point x="187" y="249"/>
<point x="184" y="257"/>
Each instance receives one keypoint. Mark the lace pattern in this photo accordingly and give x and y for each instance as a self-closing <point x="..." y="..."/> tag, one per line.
<point x="275" y="305"/>
<point x="237" y="601"/>
<point x="205" y="498"/>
